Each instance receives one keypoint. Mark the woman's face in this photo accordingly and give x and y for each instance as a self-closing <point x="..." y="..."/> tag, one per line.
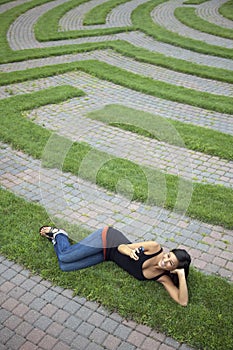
<point x="168" y="262"/>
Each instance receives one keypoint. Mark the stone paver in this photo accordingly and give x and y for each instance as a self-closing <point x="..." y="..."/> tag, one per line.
<point x="35" y="314"/>
<point x="144" y="69"/>
<point x="209" y="11"/>
<point x="120" y="16"/>
<point x="164" y="16"/>
<point x="24" y="327"/>
<point x="27" y="40"/>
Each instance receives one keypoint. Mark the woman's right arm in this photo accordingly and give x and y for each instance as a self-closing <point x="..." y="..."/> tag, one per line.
<point x="180" y="295"/>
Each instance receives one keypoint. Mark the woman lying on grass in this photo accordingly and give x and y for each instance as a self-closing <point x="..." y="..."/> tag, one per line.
<point x="143" y="260"/>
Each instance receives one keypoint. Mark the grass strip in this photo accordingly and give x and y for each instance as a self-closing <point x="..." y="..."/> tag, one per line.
<point x="142" y="20"/>
<point x="193" y="137"/>
<point x="159" y="89"/>
<point x="48" y="23"/>
<point x="177" y="65"/>
<point x="188" y="16"/>
<point x="5" y="1"/>
<point x="98" y="14"/>
<point x="47" y="27"/>
<point x="25" y="134"/>
<point x="222" y="104"/>
<point x="193" y="2"/>
<point x="213" y="204"/>
<point x="226" y="10"/>
<point x="7" y="55"/>
<point x="206" y="321"/>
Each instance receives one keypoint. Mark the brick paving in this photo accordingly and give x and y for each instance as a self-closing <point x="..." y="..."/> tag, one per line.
<point x="164" y="16"/>
<point x="144" y="69"/>
<point x="209" y="11"/>
<point x="35" y="314"/>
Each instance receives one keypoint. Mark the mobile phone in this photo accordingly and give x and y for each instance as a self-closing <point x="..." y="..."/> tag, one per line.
<point x="140" y="250"/>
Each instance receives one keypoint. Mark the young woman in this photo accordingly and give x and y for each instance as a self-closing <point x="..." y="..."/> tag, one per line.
<point x="143" y="260"/>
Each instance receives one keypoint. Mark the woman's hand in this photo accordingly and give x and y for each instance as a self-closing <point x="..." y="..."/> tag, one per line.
<point x="178" y="272"/>
<point x="127" y="250"/>
<point x="133" y="254"/>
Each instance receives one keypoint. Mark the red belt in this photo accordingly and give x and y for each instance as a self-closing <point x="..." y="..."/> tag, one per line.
<point x="104" y="240"/>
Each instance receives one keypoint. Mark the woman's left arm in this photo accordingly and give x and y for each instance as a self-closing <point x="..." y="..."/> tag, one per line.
<point x="180" y="295"/>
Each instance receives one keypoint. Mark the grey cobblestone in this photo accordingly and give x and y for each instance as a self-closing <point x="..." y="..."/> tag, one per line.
<point x="209" y="11"/>
<point x="164" y="16"/>
<point x="140" y="40"/>
<point x="29" y="19"/>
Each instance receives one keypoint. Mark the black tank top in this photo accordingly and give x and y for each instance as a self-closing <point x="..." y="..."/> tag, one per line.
<point x="133" y="267"/>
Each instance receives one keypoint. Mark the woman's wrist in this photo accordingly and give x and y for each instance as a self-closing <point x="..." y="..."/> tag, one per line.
<point x="180" y="272"/>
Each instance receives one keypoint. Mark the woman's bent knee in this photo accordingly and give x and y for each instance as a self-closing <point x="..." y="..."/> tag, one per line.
<point x="64" y="267"/>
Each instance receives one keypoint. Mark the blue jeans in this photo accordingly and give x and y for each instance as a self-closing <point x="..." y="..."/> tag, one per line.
<point x="85" y="253"/>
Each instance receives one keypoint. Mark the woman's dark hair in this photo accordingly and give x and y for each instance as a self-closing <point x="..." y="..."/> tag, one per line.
<point x="184" y="261"/>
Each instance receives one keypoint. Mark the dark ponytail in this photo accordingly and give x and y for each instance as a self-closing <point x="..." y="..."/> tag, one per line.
<point x="184" y="261"/>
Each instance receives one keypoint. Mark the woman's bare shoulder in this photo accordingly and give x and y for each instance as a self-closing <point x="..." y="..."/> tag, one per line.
<point x="152" y="246"/>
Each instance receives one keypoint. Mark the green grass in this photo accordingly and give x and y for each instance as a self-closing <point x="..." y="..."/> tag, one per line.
<point x="213" y="204"/>
<point x="99" y="13"/>
<point x="188" y="16"/>
<point x="4" y="1"/>
<point x="193" y="2"/>
<point x="206" y="323"/>
<point x="130" y="80"/>
<point x="176" y="133"/>
<point x="142" y="20"/>
<point x="226" y="10"/>
<point x="9" y="17"/>
<point x="47" y="27"/>
<point x="143" y="55"/>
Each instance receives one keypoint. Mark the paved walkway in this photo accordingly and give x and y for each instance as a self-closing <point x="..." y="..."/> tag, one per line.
<point x="36" y="315"/>
<point x="164" y="16"/>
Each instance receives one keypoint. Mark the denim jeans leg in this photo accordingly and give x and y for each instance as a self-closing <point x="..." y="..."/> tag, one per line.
<point x="85" y="253"/>
<point x="83" y="263"/>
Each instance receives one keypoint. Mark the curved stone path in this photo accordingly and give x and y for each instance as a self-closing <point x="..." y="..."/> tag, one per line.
<point x="164" y="16"/>
<point x="24" y="24"/>
<point x="209" y="11"/>
<point x="36" y="315"/>
<point x="120" y="16"/>
<point x="118" y="60"/>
